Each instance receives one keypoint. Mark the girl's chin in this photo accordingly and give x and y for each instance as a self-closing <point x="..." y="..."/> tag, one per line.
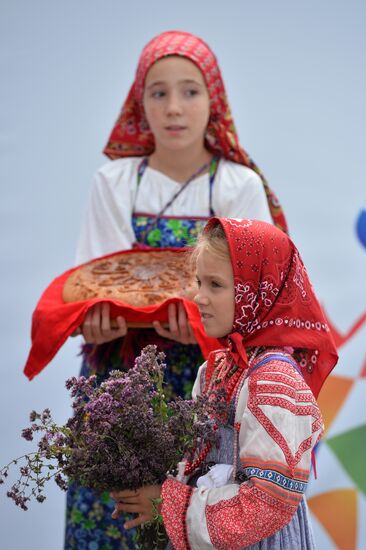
<point x="213" y="333"/>
<point x="176" y="145"/>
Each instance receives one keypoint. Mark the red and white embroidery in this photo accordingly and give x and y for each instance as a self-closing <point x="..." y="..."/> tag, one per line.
<point x="176" y="498"/>
<point x="245" y="519"/>
<point x="285" y="389"/>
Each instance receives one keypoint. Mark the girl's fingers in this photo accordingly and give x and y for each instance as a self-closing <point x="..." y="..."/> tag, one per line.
<point x="105" y="321"/>
<point x="96" y="320"/>
<point x="122" y="326"/>
<point x="165" y="333"/>
<point x="191" y="337"/>
<point x="123" y="507"/>
<point x="179" y="328"/>
<point x="136" y="502"/>
<point x="185" y="330"/>
<point x="126" y="508"/>
<point x="115" y="514"/>
<point x="161" y="330"/>
<point x="172" y="318"/>
<point x="87" y="326"/>
<point x="141" y="518"/>
<point x="182" y="322"/>
<point x="123" y="495"/>
<point x="97" y="329"/>
<point x="107" y="332"/>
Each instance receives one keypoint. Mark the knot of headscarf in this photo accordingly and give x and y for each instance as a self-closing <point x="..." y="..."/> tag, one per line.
<point x="236" y="349"/>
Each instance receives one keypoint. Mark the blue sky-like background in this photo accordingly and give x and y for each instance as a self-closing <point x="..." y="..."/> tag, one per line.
<point x="295" y="74"/>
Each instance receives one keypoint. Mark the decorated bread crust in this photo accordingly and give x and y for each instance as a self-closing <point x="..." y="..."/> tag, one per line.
<point x="138" y="278"/>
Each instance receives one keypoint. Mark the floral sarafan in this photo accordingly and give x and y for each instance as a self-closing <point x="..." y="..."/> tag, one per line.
<point x="123" y="434"/>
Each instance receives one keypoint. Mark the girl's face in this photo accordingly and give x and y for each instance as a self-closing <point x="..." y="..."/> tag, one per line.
<point x="215" y="297"/>
<point x="176" y="103"/>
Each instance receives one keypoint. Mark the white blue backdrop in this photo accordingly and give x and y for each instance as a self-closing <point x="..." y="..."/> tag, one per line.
<point x="295" y="73"/>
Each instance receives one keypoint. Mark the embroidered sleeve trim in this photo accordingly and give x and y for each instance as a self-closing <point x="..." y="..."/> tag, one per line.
<point x="288" y="483"/>
<point x="176" y="499"/>
<point x="246" y="519"/>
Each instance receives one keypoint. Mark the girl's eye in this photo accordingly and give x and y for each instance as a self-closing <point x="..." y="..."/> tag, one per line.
<point x="157" y="94"/>
<point x="214" y="284"/>
<point x="198" y="283"/>
<point x="191" y="92"/>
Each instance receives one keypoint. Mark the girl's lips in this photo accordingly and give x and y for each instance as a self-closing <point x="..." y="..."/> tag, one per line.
<point x="205" y="315"/>
<point x="174" y="128"/>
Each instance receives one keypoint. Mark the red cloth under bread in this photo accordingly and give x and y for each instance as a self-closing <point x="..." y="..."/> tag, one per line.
<point x="53" y="320"/>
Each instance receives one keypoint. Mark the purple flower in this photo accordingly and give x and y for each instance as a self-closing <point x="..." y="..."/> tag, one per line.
<point x="33" y="415"/>
<point x="123" y="434"/>
<point x="27" y="433"/>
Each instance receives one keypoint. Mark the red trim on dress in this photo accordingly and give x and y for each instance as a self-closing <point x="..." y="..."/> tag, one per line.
<point x="176" y="499"/>
<point x="162" y="217"/>
<point x="246" y="519"/>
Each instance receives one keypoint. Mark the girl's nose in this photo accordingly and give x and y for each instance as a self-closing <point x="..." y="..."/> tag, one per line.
<point x="200" y="298"/>
<point x="174" y="105"/>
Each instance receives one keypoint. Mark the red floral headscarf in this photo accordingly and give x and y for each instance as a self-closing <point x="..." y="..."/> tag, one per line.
<point x="131" y="135"/>
<point x="275" y="304"/>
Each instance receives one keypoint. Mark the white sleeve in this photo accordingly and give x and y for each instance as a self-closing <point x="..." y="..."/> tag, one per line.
<point x="197" y="386"/>
<point x="239" y="193"/>
<point x="107" y="226"/>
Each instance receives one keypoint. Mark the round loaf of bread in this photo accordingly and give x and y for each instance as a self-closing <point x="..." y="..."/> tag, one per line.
<point x="138" y="278"/>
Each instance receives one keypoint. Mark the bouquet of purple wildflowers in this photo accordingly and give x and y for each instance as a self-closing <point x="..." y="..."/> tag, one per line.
<point x="123" y="434"/>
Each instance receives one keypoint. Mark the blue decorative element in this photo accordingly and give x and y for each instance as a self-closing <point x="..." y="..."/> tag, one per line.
<point x="166" y="232"/>
<point x="287" y="483"/>
<point x="275" y="357"/>
<point x="361" y="227"/>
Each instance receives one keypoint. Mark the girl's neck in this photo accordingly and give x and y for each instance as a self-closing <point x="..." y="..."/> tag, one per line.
<point x="179" y="165"/>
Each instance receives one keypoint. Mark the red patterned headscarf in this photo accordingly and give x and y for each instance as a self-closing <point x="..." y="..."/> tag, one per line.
<point x="275" y="304"/>
<point x="131" y="135"/>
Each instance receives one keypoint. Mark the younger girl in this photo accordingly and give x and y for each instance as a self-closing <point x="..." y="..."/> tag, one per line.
<point x="176" y="160"/>
<point x="254" y="294"/>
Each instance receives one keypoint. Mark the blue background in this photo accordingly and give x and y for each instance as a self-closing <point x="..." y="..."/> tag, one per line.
<point x="296" y="80"/>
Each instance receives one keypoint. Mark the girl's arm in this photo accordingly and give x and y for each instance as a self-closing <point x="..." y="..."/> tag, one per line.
<point x="278" y="423"/>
